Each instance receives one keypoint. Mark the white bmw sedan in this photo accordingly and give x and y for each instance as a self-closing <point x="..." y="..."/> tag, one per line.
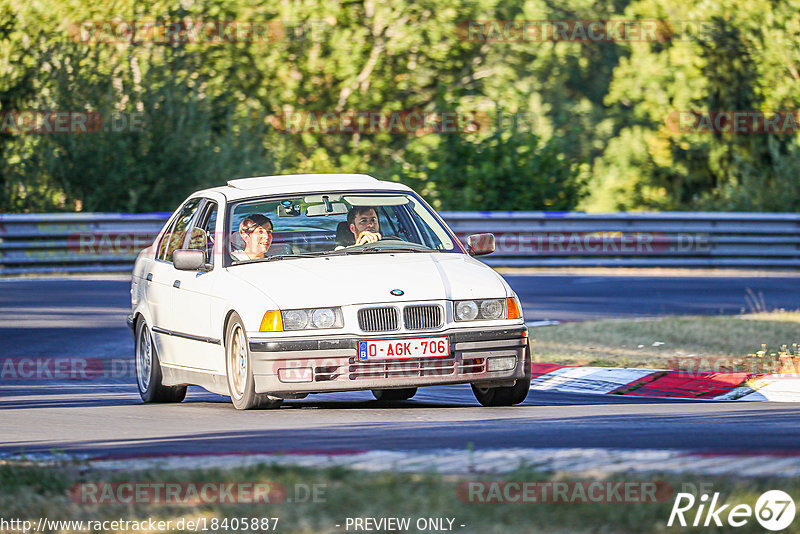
<point x="275" y="287"/>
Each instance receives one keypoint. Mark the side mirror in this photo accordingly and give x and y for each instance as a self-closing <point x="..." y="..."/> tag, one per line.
<point x="189" y="260"/>
<point x="480" y="244"/>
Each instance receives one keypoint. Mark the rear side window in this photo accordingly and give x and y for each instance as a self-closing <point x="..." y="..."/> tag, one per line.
<point x="174" y="237"/>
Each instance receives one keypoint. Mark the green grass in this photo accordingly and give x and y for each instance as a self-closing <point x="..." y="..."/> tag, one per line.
<point x="30" y="492"/>
<point x="652" y="342"/>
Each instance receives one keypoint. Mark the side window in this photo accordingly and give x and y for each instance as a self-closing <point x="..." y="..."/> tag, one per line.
<point x="173" y="240"/>
<point x="203" y="233"/>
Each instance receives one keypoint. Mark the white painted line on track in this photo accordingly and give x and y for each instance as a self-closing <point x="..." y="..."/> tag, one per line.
<point x="534" y="324"/>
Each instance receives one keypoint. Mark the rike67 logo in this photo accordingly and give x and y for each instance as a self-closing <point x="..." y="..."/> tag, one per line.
<point x="774" y="510"/>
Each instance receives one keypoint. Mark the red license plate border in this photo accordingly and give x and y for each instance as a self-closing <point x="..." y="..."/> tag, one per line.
<point x="363" y="352"/>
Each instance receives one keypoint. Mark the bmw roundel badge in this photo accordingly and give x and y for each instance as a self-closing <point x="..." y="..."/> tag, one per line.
<point x="397" y="292"/>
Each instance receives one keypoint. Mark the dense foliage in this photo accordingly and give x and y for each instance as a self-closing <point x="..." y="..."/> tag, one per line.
<point x="564" y="124"/>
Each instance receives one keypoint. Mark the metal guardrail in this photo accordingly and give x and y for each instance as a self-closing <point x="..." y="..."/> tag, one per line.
<point x="75" y="242"/>
<point x="667" y="239"/>
<point x="85" y="242"/>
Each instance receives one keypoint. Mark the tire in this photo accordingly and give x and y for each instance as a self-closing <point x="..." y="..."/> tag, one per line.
<point x="239" y="370"/>
<point x="393" y="394"/>
<point x="148" y="370"/>
<point x="510" y="395"/>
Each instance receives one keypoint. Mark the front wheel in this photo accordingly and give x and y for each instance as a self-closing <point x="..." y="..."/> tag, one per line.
<point x="394" y="394"/>
<point x="148" y="370"/>
<point x="510" y="395"/>
<point x="239" y="369"/>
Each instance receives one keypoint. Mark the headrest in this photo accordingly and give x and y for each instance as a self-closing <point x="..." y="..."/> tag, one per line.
<point x="344" y="237"/>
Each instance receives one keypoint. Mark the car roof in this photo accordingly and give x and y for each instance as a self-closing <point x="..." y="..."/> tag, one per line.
<point x="302" y="184"/>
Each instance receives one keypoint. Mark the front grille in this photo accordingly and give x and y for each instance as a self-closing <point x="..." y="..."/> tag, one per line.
<point x="471" y="366"/>
<point x="378" y="319"/>
<point x="422" y="317"/>
<point x="326" y="373"/>
<point x="414" y="367"/>
<point x="410" y="368"/>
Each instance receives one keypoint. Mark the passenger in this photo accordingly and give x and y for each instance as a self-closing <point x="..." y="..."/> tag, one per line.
<point x="364" y="225"/>
<point x="256" y="232"/>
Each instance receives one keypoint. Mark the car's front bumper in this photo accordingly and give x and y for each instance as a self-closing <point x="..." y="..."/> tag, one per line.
<point x="309" y="365"/>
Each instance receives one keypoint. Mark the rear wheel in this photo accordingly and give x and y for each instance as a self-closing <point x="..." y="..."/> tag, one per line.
<point x="241" y="384"/>
<point x="148" y="370"/>
<point x="509" y="395"/>
<point x="394" y="394"/>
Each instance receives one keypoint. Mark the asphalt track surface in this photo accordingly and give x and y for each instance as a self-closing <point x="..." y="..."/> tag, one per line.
<point x="84" y="318"/>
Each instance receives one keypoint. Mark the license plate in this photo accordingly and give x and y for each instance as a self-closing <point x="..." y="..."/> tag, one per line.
<point x="393" y="349"/>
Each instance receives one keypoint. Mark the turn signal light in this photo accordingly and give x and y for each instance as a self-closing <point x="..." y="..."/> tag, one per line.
<point x="272" y="322"/>
<point x="513" y="309"/>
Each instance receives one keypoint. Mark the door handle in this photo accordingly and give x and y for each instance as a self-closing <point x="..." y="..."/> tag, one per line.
<point x="149" y="277"/>
<point x="177" y="284"/>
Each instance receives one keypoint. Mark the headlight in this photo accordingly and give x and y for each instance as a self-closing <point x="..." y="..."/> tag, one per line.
<point x="492" y="309"/>
<point x="466" y="310"/>
<point x="323" y="318"/>
<point x="311" y="318"/>
<point x="295" y="319"/>
<point x="473" y="310"/>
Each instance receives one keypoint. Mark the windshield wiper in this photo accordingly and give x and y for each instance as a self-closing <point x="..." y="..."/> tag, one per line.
<point x="377" y="249"/>
<point x="396" y="249"/>
<point x="288" y="256"/>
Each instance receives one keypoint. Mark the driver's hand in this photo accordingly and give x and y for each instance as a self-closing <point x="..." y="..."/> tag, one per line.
<point x="367" y="237"/>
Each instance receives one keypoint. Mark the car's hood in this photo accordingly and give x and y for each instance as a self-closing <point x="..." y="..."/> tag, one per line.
<point x="369" y="278"/>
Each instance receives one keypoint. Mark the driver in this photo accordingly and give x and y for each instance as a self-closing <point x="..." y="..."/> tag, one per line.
<point x="256" y="232"/>
<point x="363" y="221"/>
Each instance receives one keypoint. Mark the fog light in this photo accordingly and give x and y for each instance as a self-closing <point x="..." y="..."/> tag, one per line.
<point x="502" y="363"/>
<point x="295" y="374"/>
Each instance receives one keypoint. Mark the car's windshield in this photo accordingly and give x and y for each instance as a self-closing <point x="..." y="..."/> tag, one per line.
<point x="334" y="223"/>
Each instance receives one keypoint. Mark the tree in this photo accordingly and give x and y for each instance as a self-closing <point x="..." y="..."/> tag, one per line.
<point x="720" y="64"/>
